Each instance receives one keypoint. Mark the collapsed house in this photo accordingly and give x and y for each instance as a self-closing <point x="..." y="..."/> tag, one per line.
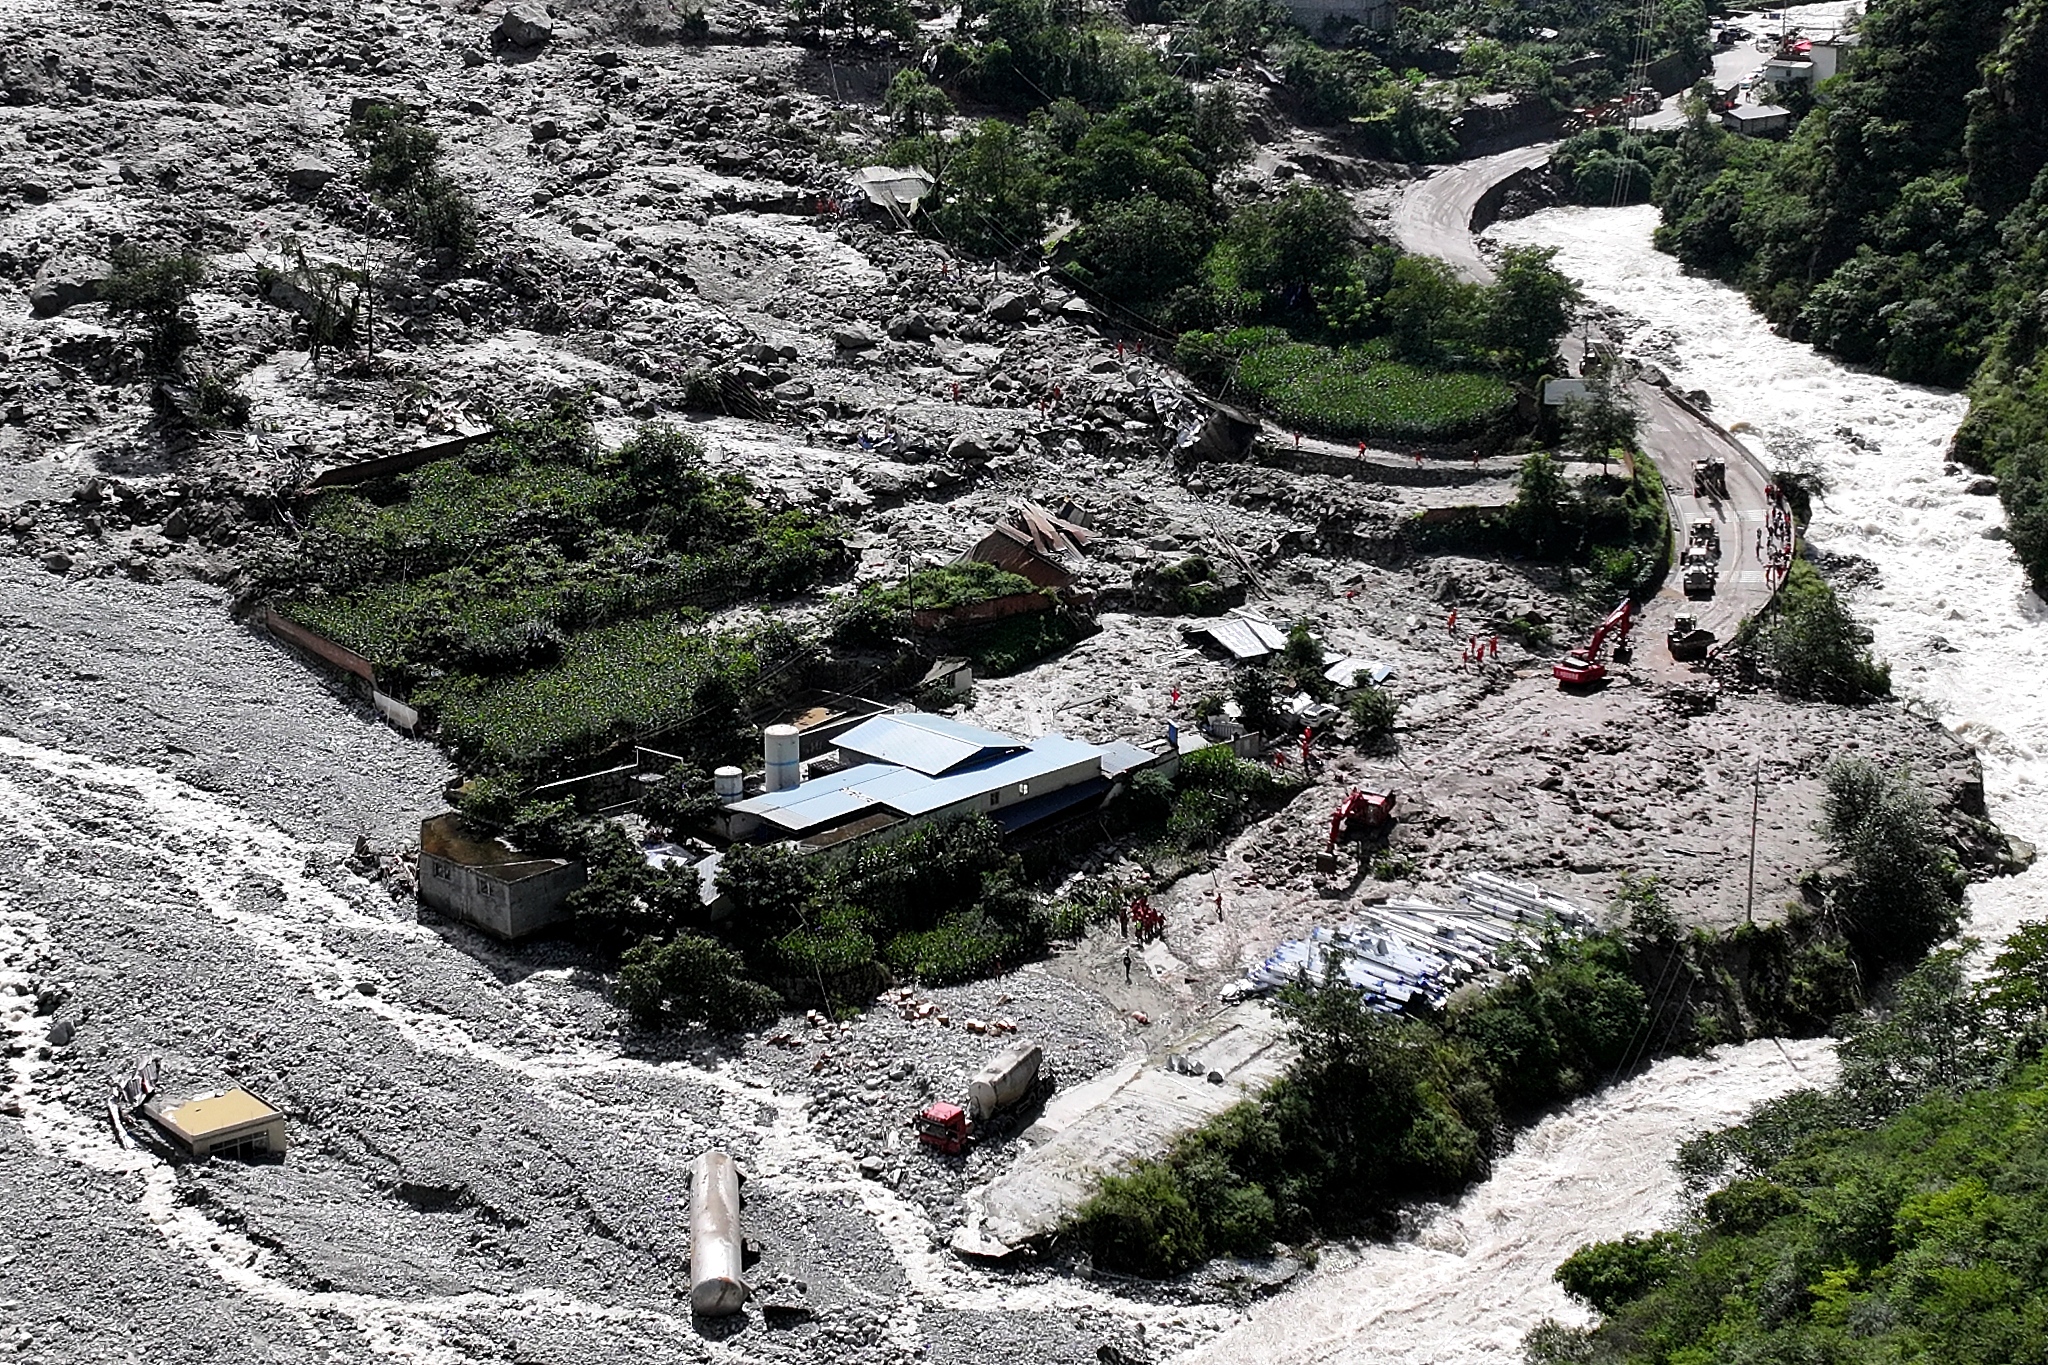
<point x="236" y="1122"/>
<point x="1033" y="543"/>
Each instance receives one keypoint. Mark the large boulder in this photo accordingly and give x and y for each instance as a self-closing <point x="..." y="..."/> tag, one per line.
<point x="854" y="336"/>
<point x="64" y="280"/>
<point x="308" y="174"/>
<point x="525" y="25"/>
<point x="1009" y="306"/>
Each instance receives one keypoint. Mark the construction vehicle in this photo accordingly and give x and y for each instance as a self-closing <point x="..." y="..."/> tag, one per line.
<point x="1005" y="1083"/>
<point x="1697" y="573"/>
<point x="1586" y="667"/>
<point x="1703" y="536"/>
<point x="1361" y="815"/>
<point x="1687" y="639"/>
<point x="1710" y="477"/>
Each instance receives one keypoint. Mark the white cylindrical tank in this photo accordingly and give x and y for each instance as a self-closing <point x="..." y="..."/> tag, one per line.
<point x="716" y="1289"/>
<point x="780" y="746"/>
<point x="729" y="783"/>
<point x="1003" y="1080"/>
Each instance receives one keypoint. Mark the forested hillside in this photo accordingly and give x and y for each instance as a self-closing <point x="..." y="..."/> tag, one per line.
<point x="1900" y="225"/>
<point x="1897" y="1216"/>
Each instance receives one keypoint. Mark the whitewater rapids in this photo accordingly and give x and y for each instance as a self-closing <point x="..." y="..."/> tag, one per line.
<point x="1968" y="642"/>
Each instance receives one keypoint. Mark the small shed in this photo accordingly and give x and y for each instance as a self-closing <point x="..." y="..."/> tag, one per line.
<point x="235" y="1122"/>
<point x="1757" y="120"/>
<point x="1245" y="637"/>
<point x="482" y="880"/>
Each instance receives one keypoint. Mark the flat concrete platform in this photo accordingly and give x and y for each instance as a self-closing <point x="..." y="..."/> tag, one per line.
<point x="1133" y="1111"/>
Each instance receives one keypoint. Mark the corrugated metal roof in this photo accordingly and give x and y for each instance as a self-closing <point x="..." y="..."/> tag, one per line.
<point x="923" y="742"/>
<point x="1119" y="757"/>
<point x="1047" y="754"/>
<point x="1246" y="637"/>
<point x="829" y="799"/>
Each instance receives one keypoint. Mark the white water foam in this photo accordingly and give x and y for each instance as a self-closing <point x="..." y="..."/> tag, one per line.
<point x="1967" y="640"/>
<point x="1966" y="637"/>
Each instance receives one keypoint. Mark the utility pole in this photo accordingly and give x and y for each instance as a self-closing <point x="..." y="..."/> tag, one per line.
<point x="1756" y="779"/>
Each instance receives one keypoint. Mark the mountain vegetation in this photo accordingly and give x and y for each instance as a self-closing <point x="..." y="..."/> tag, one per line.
<point x="1900" y="226"/>
<point x="1895" y="1216"/>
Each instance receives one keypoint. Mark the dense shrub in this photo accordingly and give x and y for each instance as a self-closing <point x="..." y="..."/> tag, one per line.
<point x="155" y="289"/>
<point x="1903" y="890"/>
<point x="402" y="172"/>
<point x="1814" y="648"/>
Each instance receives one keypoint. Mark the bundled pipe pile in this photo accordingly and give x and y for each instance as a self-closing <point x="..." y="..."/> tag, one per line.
<point x="1408" y="948"/>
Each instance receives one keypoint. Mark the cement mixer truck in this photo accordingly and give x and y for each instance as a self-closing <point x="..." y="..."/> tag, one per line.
<point x="1005" y="1083"/>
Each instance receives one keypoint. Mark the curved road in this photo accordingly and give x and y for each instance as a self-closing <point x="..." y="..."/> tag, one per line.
<point x="1435" y="218"/>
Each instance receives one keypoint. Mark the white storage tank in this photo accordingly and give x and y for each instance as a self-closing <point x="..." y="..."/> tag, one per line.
<point x="716" y="1247"/>
<point x="781" y="755"/>
<point x="1005" y="1079"/>
<point x="728" y="783"/>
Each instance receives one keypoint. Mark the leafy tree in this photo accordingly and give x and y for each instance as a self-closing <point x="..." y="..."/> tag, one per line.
<point x="994" y="193"/>
<point x="1302" y="656"/>
<point x="155" y="289"/>
<point x="1932" y="1037"/>
<point x="691" y="980"/>
<point x="772" y="889"/>
<point x="1275" y="253"/>
<point x="1540" y="513"/>
<point x="1258" y="706"/>
<point x="683" y="799"/>
<point x="1529" y="306"/>
<point x="1143" y="250"/>
<point x="1813" y="647"/>
<point x="1115" y="161"/>
<point x="915" y="103"/>
<point x="1606" y="421"/>
<point x="1374" y="713"/>
<point x="1427" y="309"/>
<point x="859" y="20"/>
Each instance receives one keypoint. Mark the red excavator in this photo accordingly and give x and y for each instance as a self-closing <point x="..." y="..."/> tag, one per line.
<point x="1585" y="667"/>
<point x="1361" y="813"/>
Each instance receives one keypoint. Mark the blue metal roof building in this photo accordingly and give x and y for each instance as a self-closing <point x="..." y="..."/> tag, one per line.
<point x="924" y="743"/>
<point x="978" y="771"/>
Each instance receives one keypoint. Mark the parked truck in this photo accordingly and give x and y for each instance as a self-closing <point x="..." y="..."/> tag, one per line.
<point x="1005" y="1083"/>
<point x="1698" y="572"/>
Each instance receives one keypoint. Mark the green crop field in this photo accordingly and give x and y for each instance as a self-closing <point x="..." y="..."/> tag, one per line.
<point x="608" y="684"/>
<point x="1360" y="393"/>
<point x="537" y="597"/>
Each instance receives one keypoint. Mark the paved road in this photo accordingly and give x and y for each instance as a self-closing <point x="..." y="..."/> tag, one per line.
<point x="1675" y="438"/>
<point x="1435" y="216"/>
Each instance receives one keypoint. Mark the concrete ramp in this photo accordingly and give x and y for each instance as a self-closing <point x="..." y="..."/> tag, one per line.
<point x="1113" y="1121"/>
